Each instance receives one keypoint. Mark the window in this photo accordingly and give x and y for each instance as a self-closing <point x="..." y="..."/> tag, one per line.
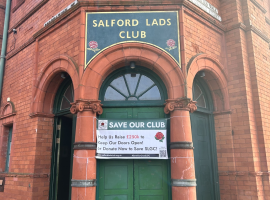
<point x="64" y="97"/>
<point x="132" y="87"/>
<point x="67" y="98"/>
<point x="198" y="96"/>
<point x="8" y="149"/>
<point x="139" y="86"/>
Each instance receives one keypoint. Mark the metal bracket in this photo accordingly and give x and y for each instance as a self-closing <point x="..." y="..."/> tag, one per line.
<point x="181" y="145"/>
<point x="183" y="182"/>
<point x="85" y="146"/>
<point x="83" y="183"/>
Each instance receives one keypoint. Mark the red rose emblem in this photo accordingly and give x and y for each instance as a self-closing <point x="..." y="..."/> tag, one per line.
<point x="102" y="124"/>
<point x="170" y="43"/>
<point x="93" y="44"/>
<point x="159" y="136"/>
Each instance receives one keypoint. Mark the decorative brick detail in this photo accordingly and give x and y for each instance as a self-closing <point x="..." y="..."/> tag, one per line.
<point x="82" y="105"/>
<point x="242" y="173"/>
<point x="8" y="110"/>
<point x="180" y="104"/>
<point x="258" y="6"/>
<point x="267" y="20"/>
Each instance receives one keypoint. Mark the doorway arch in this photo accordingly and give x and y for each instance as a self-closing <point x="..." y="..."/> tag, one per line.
<point x="204" y="141"/>
<point x="62" y="145"/>
<point x="133" y="93"/>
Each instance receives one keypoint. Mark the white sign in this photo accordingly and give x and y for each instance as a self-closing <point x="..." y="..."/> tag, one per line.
<point x="132" y="139"/>
<point x="207" y="7"/>
<point x="61" y="12"/>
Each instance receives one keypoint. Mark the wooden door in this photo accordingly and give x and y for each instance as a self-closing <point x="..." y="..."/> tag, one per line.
<point x="203" y="156"/>
<point x="133" y="179"/>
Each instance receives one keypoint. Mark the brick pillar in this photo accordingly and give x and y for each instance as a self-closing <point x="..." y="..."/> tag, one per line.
<point x="182" y="157"/>
<point x="84" y="162"/>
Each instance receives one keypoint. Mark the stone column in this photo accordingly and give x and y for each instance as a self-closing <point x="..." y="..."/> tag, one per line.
<point x="84" y="162"/>
<point x="182" y="158"/>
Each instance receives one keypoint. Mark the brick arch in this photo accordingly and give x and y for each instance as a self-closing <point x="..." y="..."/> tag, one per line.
<point x="215" y="78"/>
<point x="144" y="55"/>
<point x="48" y="82"/>
<point x="8" y="110"/>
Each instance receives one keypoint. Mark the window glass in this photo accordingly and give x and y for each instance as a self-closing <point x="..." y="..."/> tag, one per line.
<point x="152" y="94"/>
<point x="120" y="85"/>
<point x="196" y="91"/>
<point x="132" y="87"/>
<point x="132" y="81"/>
<point x="68" y="94"/>
<point x="198" y="96"/>
<point x="67" y="98"/>
<point x="65" y="104"/>
<point x="8" y="149"/>
<point x="112" y="95"/>
<point x="145" y="83"/>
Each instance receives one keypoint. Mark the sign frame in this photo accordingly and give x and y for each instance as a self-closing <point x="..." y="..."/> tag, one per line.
<point x="86" y="63"/>
<point x="149" y="141"/>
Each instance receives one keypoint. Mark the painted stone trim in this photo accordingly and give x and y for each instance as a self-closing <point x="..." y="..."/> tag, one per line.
<point x="207" y="7"/>
<point x="180" y="104"/>
<point x="84" y="183"/>
<point x="61" y="12"/>
<point x="82" y="105"/>
<point x="181" y="145"/>
<point x="85" y="146"/>
<point x="183" y="182"/>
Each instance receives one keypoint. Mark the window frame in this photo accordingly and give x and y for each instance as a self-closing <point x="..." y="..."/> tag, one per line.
<point x="206" y="93"/>
<point x="60" y="95"/>
<point x="9" y="143"/>
<point x="127" y="103"/>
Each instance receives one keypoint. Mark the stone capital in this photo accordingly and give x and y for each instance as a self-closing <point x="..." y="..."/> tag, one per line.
<point x="180" y="104"/>
<point x="83" y="105"/>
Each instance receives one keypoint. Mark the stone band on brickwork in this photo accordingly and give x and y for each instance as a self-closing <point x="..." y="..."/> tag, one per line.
<point x="83" y="183"/>
<point x="83" y="105"/>
<point x="183" y="182"/>
<point x="181" y="145"/>
<point x="85" y="146"/>
<point x="180" y="104"/>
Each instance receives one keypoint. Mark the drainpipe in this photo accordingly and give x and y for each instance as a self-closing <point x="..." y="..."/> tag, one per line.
<point x="4" y="45"/>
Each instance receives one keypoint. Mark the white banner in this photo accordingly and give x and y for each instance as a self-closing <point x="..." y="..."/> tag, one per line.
<point x="132" y="144"/>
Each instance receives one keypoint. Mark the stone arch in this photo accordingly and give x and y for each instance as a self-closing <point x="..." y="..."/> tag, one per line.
<point x="48" y="81"/>
<point x="215" y="78"/>
<point x="121" y="55"/>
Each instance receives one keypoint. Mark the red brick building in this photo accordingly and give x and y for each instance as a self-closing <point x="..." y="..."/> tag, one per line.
<point x="215" y="98"/>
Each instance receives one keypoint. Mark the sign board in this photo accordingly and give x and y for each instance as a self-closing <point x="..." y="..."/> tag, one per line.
<point x="156" y="28"/>
<point x="132" y="139"/>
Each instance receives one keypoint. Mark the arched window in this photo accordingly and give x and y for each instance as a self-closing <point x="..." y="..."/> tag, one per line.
<point x="64" y="97"/>
<point x="139" y="87"/>
<point x="202" y="95"/>
<point x="198" y="96"/>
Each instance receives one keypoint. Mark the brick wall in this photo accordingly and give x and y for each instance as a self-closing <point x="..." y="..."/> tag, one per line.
<point x="242" y="135"/>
